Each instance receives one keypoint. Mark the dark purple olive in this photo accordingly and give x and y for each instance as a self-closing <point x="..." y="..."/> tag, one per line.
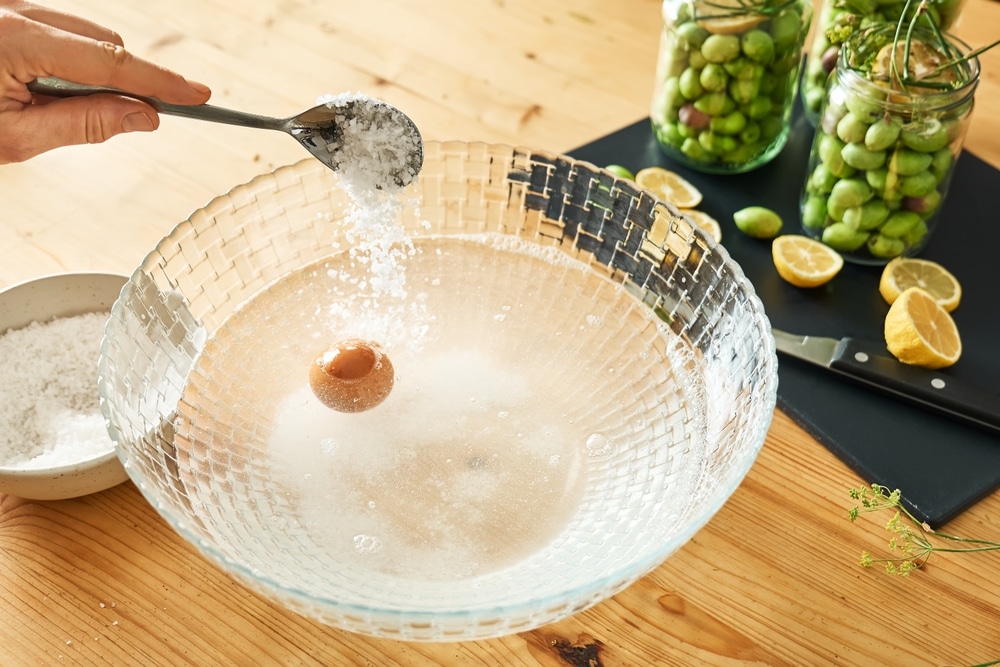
<point x="693" y="118"/>
<point x="829" y="59"/>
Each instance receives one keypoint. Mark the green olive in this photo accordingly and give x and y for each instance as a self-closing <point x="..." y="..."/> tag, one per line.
<point x="714" y="142"/>
<point x="851" y="129"/>
<point x="757" y="221"/>
<point x="720" y="48"/>
<point x="941" y="162"/>
<point x="692" y="148"/>
<point x="751" y="133"/>
<point x="669" y="133"/>
<point x="713" y="77"/>
<point x="842" y="237"/>
<point x="885" y="246"/>
<point x="899" y="223"/>
<point x="759" y="107"/>
<point x="743" y="91"/>
<point x="863" y="108"/>
<point x="821" y="181"/>
<point x="916" y="235"/>
<point x="918" y="185"/>
<point x="786" y="27"/>
<point x="712" y="103"/>
<point x="731" y="123"/>
<point x="689" y="84"/>
<point x="691" y="35"/>
<point x="850" y="192"/>
<point x="907" y="163"/>
<point x="757" y="45"/>
<point x="883" y="133"/>
<point x="868" y="216"/>
<point x="620" y="171"/>
<point x="860" y="157"/>
<point x="927" y="135"/>
<point x="814" y="212"/>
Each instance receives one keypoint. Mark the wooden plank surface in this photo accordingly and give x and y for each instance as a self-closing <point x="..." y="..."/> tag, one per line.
<point x="771" y="580"/>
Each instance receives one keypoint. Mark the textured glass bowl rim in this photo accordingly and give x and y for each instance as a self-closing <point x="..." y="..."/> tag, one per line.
<point x="583" y="594"/>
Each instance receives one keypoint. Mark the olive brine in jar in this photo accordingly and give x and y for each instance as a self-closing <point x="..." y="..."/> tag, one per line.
<point x="888" y="138"/>
<point x="726" y="80"/>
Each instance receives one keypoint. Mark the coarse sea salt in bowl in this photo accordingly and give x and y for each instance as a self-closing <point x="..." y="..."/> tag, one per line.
<point x="582" y="379"/>
<point x="54" y="441"/>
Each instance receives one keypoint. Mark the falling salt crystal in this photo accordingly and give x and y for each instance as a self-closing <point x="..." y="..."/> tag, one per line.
<point x="595" y="320"/>
<point x="101" y="605"/>
<point x="329" y="446"/>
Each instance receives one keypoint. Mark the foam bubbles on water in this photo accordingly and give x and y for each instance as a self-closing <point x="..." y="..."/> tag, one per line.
<point x="599" y="446"/>
<point x="367" y="544"/>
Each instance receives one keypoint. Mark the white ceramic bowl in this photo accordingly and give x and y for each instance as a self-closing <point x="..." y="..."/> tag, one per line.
<point x="655" y="354"/>
<point x="41" y="300"/>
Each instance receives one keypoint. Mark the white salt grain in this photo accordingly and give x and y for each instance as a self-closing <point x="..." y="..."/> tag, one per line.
<point x="375" y="149"/>
<point x="374" y="157"/>
<point x="49" y="408"/>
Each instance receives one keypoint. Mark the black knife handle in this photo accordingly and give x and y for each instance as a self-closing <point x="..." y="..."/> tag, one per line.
<point x="936" y="391"/>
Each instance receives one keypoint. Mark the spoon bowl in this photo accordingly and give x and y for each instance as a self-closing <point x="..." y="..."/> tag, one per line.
<point x="347" y="132"/>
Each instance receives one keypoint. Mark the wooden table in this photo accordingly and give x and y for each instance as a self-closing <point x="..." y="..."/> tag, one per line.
<point x="773" y="579"/>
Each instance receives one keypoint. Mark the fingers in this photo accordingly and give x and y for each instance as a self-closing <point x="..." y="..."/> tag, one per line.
<point x="77" y="50"/>
<point x="80" y="120"/>
<point x="102" y="63"/>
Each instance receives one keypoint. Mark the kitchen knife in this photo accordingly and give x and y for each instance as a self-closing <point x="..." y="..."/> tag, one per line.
<point x="871" y="365"/>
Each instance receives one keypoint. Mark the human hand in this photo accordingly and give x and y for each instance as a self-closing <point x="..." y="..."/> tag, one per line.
<point x="40" y="42"/>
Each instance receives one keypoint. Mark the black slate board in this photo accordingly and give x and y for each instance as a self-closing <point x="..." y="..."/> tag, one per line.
<point x="941" y="466"/>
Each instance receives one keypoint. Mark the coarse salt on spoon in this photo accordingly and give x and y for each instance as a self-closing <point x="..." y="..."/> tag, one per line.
<point x="344" y="131"/>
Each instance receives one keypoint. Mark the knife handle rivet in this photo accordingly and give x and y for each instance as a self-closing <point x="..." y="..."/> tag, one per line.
<point x="861" y="357"/>
<point x="938" y="383"/>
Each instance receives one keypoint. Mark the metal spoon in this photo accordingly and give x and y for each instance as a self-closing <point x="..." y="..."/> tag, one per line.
<point x="320" y="129"/>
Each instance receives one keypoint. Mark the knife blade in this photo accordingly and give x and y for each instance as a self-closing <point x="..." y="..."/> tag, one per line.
<point x="868" y="363"/>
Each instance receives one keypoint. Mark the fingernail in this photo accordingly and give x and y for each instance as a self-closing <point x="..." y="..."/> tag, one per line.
<point x="137" y="122"/>
<point x="200" y="87"/>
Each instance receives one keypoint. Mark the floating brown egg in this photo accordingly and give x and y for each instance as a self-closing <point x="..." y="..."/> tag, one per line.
<point x="352" y="376"/>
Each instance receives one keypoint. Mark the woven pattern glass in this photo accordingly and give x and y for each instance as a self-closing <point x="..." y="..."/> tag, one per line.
<point x="689" y="444"/>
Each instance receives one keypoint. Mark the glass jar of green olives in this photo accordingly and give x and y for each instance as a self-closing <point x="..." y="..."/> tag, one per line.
<point x="727" y="79"/>
<point x="890" y="131"/>
<point x="837" y="20"/>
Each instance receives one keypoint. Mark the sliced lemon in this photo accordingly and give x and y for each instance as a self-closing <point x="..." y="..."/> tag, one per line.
<point x="726" y="17"/>
<point x="706" y="222"/>
<point x="804" y="262"/>
<point x="920" y="332"/>
<point x="903" y="273"/>
<point x="668" y="186"/>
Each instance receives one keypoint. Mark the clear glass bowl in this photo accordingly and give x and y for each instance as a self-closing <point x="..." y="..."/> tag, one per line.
<point x="666" y="327"/>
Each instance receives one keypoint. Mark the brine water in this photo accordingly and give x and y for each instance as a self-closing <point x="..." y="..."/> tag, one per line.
<point x="523" y="381"/>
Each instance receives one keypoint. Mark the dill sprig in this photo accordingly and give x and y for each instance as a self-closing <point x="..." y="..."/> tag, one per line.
<point x="916" y="25"/>
<point x="912" y="542"/>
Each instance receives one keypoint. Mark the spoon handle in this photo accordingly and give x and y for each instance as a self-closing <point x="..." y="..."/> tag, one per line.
<point x="54" y="87"/>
